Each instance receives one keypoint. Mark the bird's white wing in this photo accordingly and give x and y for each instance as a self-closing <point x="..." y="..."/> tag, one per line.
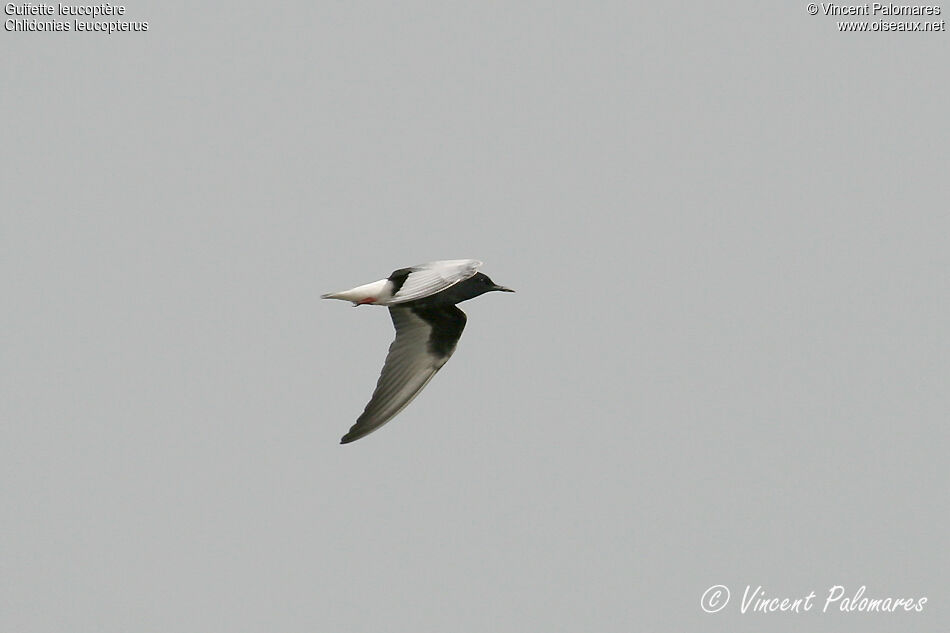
<point x="425" y="339"/>
<point x="428" y="279"/>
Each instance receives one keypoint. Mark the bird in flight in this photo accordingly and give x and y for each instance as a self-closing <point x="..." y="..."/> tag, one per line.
<point x="421" y="301"/>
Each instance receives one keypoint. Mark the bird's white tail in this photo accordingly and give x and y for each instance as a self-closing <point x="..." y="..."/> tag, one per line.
<point x="376" y="292"/>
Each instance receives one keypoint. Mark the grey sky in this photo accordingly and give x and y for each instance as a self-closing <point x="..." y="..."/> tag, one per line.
<point x="726" y="363"/>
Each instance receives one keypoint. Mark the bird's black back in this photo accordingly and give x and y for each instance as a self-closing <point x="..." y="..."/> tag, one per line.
<point x="474" y="286"/>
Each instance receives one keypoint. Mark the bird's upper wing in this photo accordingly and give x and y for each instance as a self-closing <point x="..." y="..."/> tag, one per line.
<point x="427" y="279"/>
<point x="425" y="339"/>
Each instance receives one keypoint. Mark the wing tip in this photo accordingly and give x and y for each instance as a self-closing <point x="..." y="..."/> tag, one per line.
<point x="355" y="434"/>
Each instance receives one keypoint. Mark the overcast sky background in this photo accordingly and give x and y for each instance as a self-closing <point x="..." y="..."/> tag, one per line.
<point x="726" y="362"/>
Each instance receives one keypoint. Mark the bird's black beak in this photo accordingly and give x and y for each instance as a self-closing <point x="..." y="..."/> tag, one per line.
<point x="501" y="288"/>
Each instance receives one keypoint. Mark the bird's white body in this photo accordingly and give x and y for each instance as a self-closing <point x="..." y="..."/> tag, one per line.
<point x="417" y="282"/>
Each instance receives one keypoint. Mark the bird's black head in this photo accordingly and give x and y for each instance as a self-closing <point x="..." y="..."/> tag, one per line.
<point x="478" y="284"/>
<point x="484" y="284"/>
